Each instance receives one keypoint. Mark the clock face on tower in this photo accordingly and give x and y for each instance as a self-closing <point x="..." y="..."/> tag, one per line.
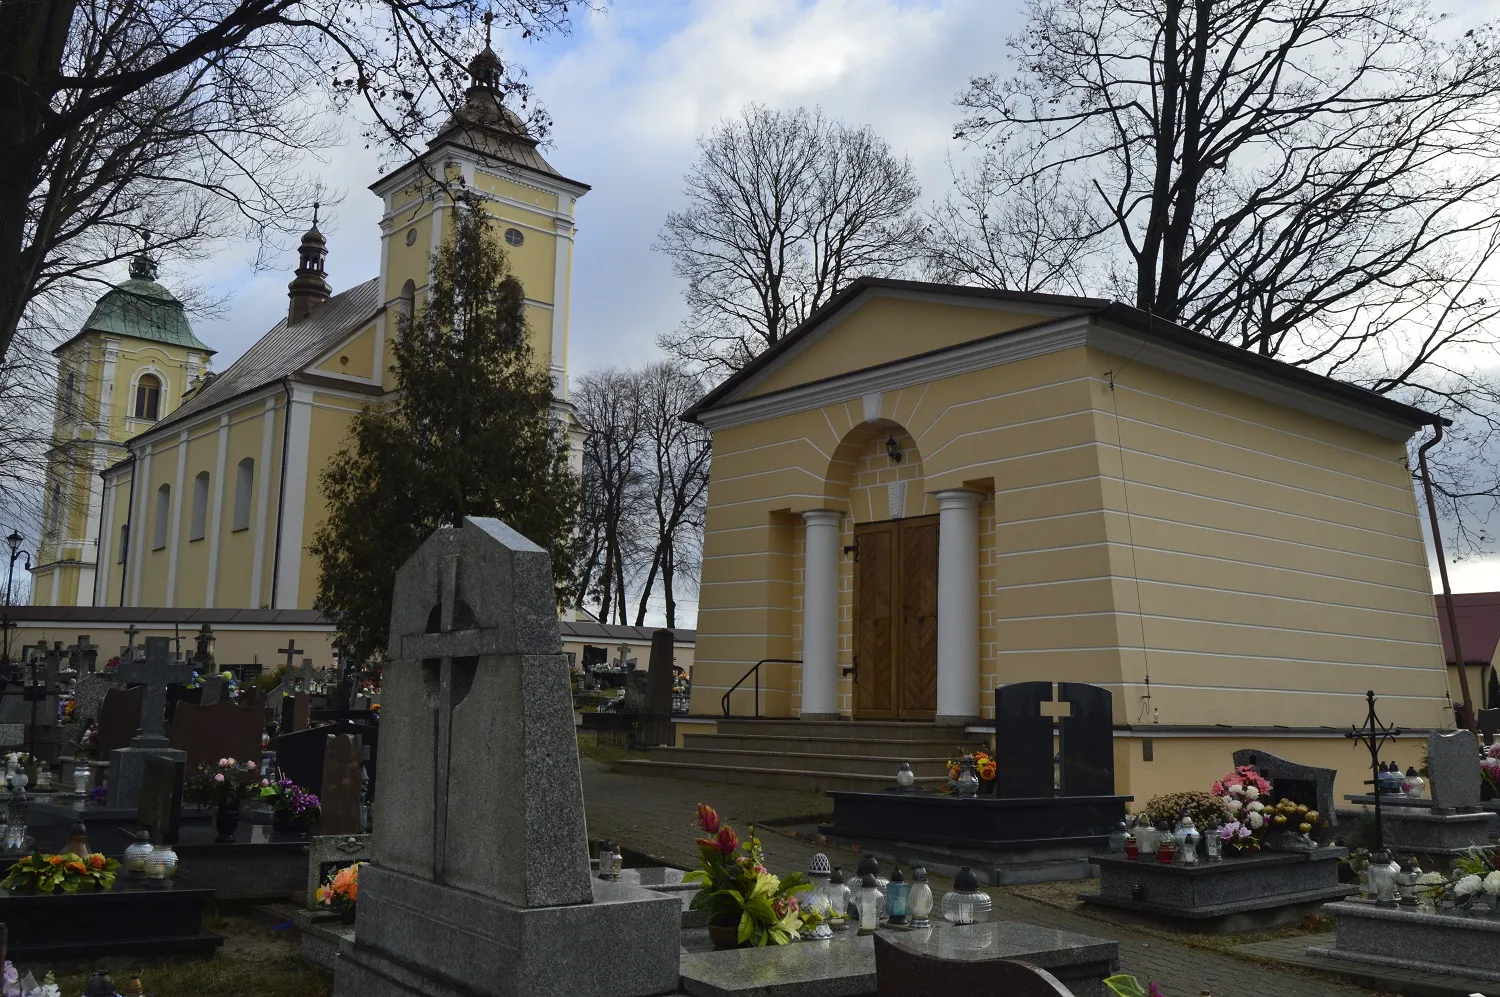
<point x="514" y="236"/>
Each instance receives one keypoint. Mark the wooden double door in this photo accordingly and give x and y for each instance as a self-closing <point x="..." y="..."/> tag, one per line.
<point x="895" y="619"/>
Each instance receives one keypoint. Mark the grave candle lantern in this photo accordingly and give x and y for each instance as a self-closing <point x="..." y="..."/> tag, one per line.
<point x="966" y="903"/>
<point x="838" y="898"/>
<point x="905" y="776"/>
<point x="1117" y="838"/>
<point x="869" y="905"/>
<point x="136" y="854"/>
<point x="81" y="777"/>
<point x="897" y="893"/>
<point x="919" y="902"/>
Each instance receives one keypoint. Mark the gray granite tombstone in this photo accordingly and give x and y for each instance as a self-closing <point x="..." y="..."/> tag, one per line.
<point x="160" y="807"/>
<point x="213" y="690"/>
<point x="1309" y="785"/>
<point x="155" y="672"/>
<point x="480" y="868"/>
<point x="340" y="790"/>
<point x="328" y="853"/>
<point x="1453" y="770"/>
<point x="89" y="695"/>
<point x="1023" y="741"/>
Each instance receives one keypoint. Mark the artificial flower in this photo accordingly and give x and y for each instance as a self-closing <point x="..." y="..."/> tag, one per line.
<point x="1257" y="806"/>
<point x="96" y="861"/>
<point x="218" y="777"/>
<point x="726" y="841"/>
<point x="708" y="819"/>
<point x="1492" y="884"/>
<point x="1468" y="885"/>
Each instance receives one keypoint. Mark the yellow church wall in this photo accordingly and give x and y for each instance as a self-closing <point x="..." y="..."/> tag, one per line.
<point x="119" y="515"/>
<point x="1283" y="548"/>
<point x="245" y="438"/>
<point x="332" y="415"/>
<point x="190" y="583"/>
<point x="353" y="358"/>
<point x="886" y="329"/>
<point x="513" y="191"/>
<point x="408" y="260"/>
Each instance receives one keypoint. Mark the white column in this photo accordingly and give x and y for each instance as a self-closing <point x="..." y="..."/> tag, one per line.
<point x="958" y="607"/>
<point x="820" y="616"/>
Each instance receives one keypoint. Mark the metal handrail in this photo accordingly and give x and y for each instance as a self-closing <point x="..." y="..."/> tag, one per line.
<point x="755" y="670"/>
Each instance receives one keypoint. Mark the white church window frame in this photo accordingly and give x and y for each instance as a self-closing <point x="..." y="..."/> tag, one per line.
<point x="161" y="398"/>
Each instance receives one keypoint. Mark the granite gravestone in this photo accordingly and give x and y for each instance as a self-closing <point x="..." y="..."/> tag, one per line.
<point x="654" y="727"/>
<point x="119" y="717"/>
<point x="1309" y="785"/>
<point x="160" y="807"/>
<point x="1026" y="766"/>
<point x="340" y="790"/>
<point x="300" y="754"/>
<point x="327" y="854"/>
<point x="220" y="730"/>
<point x="89" y="696"/>
<point x="480" y="873"/>
<point x="1453" y="767"/>
<point x="155" y="672"/>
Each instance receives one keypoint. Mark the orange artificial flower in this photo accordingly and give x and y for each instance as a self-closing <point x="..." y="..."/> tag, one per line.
<point x="79" y="868"/>
<point x="55" y="860"/>
<point x="346" y="883"/>
<point x="96" y="861"/>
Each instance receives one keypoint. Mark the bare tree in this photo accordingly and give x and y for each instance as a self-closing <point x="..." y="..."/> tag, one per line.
<point x="784" y="209"/>
<point x="676" y="478"/>
<point x="1314" y="180"/>
<point x="188" y="117"/>
<point x="612" y="415"/>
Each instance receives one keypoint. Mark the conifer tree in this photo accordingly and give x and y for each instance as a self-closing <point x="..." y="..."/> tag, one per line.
<point x="471" y="432"/>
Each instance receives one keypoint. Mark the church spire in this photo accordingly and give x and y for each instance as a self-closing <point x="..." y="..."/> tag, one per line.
<point x="309" y="288"/>
<point x="485" y="69"/>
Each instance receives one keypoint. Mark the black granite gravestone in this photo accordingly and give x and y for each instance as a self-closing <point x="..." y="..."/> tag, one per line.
<point x="160" y="809"/>
<point x="1310" y="785"/>
<point x="299" y="754"/>
<point x="1088" y="740"/>
<point x="1023" y="740"/>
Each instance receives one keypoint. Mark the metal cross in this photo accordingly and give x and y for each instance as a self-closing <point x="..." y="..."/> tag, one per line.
<point x="1374" y="734"/>
<point x="129" y="648"/>
<point x="290" y="651"/>
<point x="157" y="671"/>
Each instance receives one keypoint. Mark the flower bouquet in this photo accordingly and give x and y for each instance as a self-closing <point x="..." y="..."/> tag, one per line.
<point x="340" y="892"/>
<point x="227" y="782"/>
<point x="740" y="895"/>
<point x="1241" y="791"/>
<point x="1489" y="770"/>
<point x="68" y="872"/>
<point x="13" y="985"/>
<point x="1475" y="877"/>
<point x="293" y="809"/>
<point x="984" y="767"/>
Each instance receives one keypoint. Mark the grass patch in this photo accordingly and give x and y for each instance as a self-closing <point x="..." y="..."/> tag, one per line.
<point x="606" y="754"/>
<point x="255" y="961"/>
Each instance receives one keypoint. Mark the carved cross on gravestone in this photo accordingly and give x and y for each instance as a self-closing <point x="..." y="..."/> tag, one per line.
<point x="127" y="653"/>
<point x="306" y="676"/>
<point x="204" y="654"/>
<point x="156" y="671"/>
<point x="451" y="675"/>
<point x="1055" y="711"/>
<point x="84" y="655"/>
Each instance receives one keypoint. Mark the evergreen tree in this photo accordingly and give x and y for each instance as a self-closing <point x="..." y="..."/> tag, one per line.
<point x="471" y="433"/>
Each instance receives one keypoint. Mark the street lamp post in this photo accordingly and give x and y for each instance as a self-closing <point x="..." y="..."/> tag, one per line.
<point x="14" y="543"/>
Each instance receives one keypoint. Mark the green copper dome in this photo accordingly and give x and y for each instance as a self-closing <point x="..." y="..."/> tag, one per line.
<point x="143" y="309"/>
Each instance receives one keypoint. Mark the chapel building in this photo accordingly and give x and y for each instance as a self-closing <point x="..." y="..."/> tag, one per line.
<point x="926" y="492"/>
<point x="215" y="497"/>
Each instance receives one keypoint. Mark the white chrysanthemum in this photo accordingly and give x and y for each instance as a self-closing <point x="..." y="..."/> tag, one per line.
<point x="1468" y="886"/>
<point x="1234" y="805"/>
<point x="1257" y="806"/>
<point x="1492" y="884"/>
<point x="1256" y="820"/>
<point x="1251" y="793"/>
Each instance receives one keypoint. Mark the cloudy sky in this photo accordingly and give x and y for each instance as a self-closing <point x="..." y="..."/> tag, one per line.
<point x="631" y="90"/>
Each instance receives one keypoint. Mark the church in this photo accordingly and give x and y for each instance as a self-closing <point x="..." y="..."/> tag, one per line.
<point x="206" y="492"/>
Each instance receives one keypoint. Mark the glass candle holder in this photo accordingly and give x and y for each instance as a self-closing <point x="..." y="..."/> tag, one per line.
<point x="905" y="776"/>
<point x="966" y="903"/>
<point x="919" y="902"/>
<point x="1213" y="845"/>
<point x="869" y="906"/>
<point x="897" y="894"/>
<point x="838" y="899"/>
<point x="1132" y="847"/>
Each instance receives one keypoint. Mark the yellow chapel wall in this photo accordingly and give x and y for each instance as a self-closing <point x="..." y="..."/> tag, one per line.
<point x="332" y="416"/>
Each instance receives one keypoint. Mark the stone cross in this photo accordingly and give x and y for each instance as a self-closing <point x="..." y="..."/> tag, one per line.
<point x="291" y="651"/>
<point x="84" y="655"/>
<point x="157" y="671"/>
<point x="127" y="653"/>
<point x="306" y="676"/>
<point x="204" y="655"/>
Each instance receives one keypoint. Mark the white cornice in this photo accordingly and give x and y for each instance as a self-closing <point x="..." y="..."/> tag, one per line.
<point x="1039" y="340"/>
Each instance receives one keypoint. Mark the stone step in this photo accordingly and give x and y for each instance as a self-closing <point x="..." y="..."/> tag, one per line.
<point x="812" y="782"/>
<point x="890" y="730"/>
<point x="803" y="761"/>
<point x="899" y="750"/>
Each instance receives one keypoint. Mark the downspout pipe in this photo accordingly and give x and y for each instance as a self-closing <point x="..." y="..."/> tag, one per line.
<point x="1466" y="710"/>
<point x="286" y="439"/>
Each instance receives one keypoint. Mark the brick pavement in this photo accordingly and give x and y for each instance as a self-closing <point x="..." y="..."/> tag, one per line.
<point x="655" y="815"/>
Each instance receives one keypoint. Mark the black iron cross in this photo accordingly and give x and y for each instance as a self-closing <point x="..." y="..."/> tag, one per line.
<point x="290" y="651"/>
<point x="1374" y="734"/>
<point x="157" y="671"/>
<point x="128" y="651"/>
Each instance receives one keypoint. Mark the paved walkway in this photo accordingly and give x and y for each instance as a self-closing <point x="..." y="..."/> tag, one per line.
<point x="655" y="815"/>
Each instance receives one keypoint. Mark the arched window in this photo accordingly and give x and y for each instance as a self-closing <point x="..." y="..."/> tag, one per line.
<point x="163" y="510"/>
<point x="200" y="507"/>
<point x="68" y="401"/>
<point x="148" y="397"/>
<point x="244" y="478"/>
<point x="407" y="307"/>
<point x="124" y="543"/>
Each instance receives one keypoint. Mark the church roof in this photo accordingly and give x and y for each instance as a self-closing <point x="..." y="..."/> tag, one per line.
<point x="1143" y="324"/>
<point x="142" y="309"/>
<point x="285" y="350"/>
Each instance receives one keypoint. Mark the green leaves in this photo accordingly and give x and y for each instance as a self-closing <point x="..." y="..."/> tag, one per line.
<point x="1126" y="986"/>
<point x="470" y="432"/>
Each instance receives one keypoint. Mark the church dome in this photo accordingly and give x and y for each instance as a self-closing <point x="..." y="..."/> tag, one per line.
<point x="143" y="309"/>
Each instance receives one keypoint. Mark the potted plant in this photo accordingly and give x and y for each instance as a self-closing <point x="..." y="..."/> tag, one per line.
<point x="340" y="892"/>
<point x="745" y="902"/>
<point x="222" y="786"/>
<point x="293" y="809"/>
<point x="68" y="872"/>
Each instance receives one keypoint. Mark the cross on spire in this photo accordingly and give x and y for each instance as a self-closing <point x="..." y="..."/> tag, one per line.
<point x="489" y="17"/>
<point x="157" y="671"/>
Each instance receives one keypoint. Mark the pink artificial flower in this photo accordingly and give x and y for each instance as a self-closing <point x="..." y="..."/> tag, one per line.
<point x="231" y="761"/>
<point x="250" y="766"/>
<point x="265" y="782"/>
<point x="223" y="762"/>
<point x="218" y="777"/>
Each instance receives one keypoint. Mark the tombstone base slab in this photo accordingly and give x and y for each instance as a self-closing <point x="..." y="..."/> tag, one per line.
<point x="1393" y="936"/>
<point x="127" y="770"/>
<point x="416" y="937"/>
<point x="1411" y="830"/>
<point x="987" y="822"/>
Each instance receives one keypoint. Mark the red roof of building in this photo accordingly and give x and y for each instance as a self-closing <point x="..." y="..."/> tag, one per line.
<point x="1478" y="625"/>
